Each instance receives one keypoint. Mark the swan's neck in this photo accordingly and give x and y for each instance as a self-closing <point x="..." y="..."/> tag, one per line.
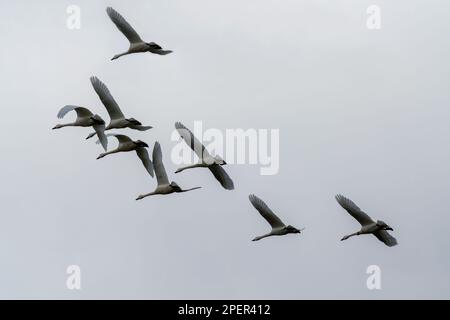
<point x="197" y="165"/>
<point x="262" y="237"/>
<point x="58" y="126"/>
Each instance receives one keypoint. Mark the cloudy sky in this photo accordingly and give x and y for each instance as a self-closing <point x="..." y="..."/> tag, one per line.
<point x="361" y="112"/>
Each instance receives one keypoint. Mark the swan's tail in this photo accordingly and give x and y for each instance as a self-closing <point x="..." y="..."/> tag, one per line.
<point x="141" y="128"/>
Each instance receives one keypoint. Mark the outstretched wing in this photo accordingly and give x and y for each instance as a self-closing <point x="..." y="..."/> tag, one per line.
<point x="120" y="137"/>
<point x="385" y="237"/>
<point x="265" y="211"/>
<point x="354" y="210"/>
<point x="192" y="141"/>
<point x="107" y="99"/>
<point x="81" y="111"/>
<point x="123" y="26"/>
<point x="222" y="176"/>
<point x="143" y="155"/>
<point x="161" y="175"/>
<point x="100" y="130"/>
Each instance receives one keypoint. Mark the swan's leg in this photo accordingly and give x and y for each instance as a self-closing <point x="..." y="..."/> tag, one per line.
<point x="186" y="190"/>
<point x="141" y="127"/>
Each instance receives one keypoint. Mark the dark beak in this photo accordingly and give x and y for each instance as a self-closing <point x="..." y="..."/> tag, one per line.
<point x="145" y="145"/>
<point x="390" y="229"/>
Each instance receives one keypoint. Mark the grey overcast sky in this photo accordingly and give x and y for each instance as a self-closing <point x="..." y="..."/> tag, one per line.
<point x="361" y="112"/>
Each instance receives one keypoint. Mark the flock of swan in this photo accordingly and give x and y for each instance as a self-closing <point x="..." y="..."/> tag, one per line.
<point x="155" y="166"/>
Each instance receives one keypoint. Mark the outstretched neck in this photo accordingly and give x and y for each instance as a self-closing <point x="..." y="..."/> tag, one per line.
<point x="197" y="165"/>
<point x="146" y="195"/>
<point x="107" y="153"/>
<point x="119" y="55"/>
<point x="59" y="126"/>
<point x="262" y="237"/>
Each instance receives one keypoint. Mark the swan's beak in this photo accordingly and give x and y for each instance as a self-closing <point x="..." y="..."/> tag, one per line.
<point x="390" y="229"/>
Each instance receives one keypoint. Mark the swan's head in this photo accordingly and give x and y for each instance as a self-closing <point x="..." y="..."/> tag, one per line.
<point x="292" y="229"/>
<point x="383" y="225"/>
<point x="140" y="143"/>
<point x="219" y="160"/>
<point x="97" y="119"/>
<point x="134" y="122"/>
<point x="58" y="126"/>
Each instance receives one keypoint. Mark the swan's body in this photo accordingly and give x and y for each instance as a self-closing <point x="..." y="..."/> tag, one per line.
<point x="368" y="226"/>
<point x="136" y="43"/>
<point x="214" y="164"/>
<point x="278" y="227"/>
<point x="163" y="185"/>
<point x="118" y="120"/>
<point x="127" y="145"/>
<point x="85" y="118"/>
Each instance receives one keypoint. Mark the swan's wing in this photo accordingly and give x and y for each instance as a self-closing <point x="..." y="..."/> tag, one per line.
<point x="121" y="138"/>
<point x="100" y="130"/>
<point x="354" y="210"/>
<point x="143" y="155"/>
<point x="265" y="211"/>
<point x="222" y="176"/>
<point x="161" y="175"/>
<point x="81" y="111"/>
<point x="107" y="99"/>
<point x="192" y="141"/>
<point x="123" y="26"/>
<point x="385" y="237"/>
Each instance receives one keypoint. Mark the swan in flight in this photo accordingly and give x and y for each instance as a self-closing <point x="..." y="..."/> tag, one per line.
<point x="136" y="43"/>
<point x="379" y="228"/>
<point x="126" y="145"/>
<point x="278" y="227"/>
<point x="214" y="164"/>
<point x="164" y="186"/>
<point x="118" y="120"/>
<point x="85" y="118"/>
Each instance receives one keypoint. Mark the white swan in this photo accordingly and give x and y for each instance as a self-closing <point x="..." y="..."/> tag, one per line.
<point x="136" y="43"/>
<point x="85" y="118"/>
<point x="127" y="145"/>
<point x="278" y="227"/>
<point x="118" y="120"/>
<point x="368" y="226"/>
<point x="214" y="164"/>
<point x="164" y="186"/>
